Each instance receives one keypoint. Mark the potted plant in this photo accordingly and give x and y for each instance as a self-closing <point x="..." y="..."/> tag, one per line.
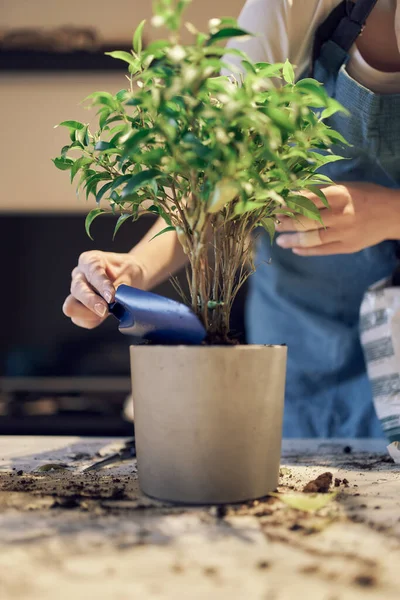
<point x="217" y="157"/>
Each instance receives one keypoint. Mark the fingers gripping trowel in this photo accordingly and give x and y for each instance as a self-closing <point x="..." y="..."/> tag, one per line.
<point x="154" y="318"/>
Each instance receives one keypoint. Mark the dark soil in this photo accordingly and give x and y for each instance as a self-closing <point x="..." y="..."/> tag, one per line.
<point x="365" y="580"/>
<point x="215" y="339"/>
<point x="319" y="485"/>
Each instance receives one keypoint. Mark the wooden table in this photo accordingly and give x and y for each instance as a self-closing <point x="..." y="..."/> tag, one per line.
<point x="69" y="535"/>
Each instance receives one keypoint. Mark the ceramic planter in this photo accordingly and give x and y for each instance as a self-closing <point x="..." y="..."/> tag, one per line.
<point x="208" y="421"/>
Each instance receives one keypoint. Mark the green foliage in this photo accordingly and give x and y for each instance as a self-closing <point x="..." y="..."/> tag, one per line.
<point x="208" y="150"/>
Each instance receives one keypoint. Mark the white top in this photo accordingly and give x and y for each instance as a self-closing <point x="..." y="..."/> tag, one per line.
<point x="286" y="29"/>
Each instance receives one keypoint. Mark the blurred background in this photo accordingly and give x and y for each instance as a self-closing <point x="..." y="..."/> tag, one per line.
<point x="55" y="378"/>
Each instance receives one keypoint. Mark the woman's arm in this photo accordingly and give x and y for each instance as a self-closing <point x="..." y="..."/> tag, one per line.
<point x="160" y="257"/>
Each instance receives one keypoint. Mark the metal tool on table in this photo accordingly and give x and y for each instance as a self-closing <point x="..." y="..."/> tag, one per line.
<point x="152" y="318"/>
<point x="126" y="452"/>
<point x="155" y="319"/>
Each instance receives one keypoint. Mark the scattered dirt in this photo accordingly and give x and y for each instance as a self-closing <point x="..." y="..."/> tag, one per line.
<point x="309" y="569"/>
<point x="221" y="511"/>
<point x="69" y="502"/>
<point x="319" y="485"/>
<point x="345" y="482"/>
<point x="337" y="482"/>
<point x="177" y="569"/>
<point x="210" y="571"/>
<point x="365" y="580"/>
<point x="70" y="488"/>
<point x="263" y="564"/>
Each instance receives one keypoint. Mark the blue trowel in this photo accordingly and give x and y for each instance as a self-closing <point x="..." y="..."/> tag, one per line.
<point x="154" y="318"/>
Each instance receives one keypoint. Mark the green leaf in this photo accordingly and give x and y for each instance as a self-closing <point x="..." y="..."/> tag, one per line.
<point x="195" y="145"/>
<point x="228" y="32"/>
<point x="78" y="164"/>
<point x="314" y="89"/>
<point x="103" y="146"/>
<point x="304" y="206"/>
<point x="305" y="502"/>
<point x="319" y="178"/>
<point x="121" y="95"/>
<point x="72" y="125"/>
<point x="64" y="164"/>
<point x="158" y="210"/>
<point x="288" y="72"/>
<point x="281" y="118"/>
<point x="91" y="217"/>
<point x="139" y="180"/>
<point x="334" y="107"/>
<point x="93" y="181"/>
<point x="137" y="138"/>
<point x="284" y="471"/>
<point x="121" y="219"/>
<point x="157" y="47"/>
<point x="103" y="98"/>
<point x="324" y="159"/>
<point x="268" y="70"/>
<point x="121" y="55"/>
<point x="249" y="66"/>
<point x="163" y="231"/>
<point x="137" y="38"/>
<point x="103" y="190"/>
<point x="269" y="225"/>
<point x="112" y="150"/>
<point x="104" y="114"/>
<point x="153" y="157"/>
<point x="82" y="136"/>
<point x="335" y="136"/>
<point x="244" y="207"/>
<point x="318" y="192"/>
<point x="119" y="181"/>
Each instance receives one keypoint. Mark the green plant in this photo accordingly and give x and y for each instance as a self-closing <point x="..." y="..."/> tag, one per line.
<point x="215" y="156"/>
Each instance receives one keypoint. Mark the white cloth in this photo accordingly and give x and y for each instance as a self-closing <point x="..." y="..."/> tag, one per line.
<point x="286" y="28"/>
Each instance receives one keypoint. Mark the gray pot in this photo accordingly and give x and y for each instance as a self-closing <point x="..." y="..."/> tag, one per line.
<point x="208" y="421"/>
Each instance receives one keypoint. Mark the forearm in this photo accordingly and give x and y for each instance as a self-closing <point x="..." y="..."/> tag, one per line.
<point x="159" y="258"/>
<point x="392" y="208"/>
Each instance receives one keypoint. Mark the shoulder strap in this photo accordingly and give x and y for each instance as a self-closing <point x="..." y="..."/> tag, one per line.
<point x="350" y="26"/>
<point x="343" y="25"/>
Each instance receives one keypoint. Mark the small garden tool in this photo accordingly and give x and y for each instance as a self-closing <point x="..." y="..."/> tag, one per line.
<point x="155" y="319"/>
<point x="126" y="452"/>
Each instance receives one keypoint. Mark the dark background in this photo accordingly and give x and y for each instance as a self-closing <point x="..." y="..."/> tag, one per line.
<point x="56" y="378"/>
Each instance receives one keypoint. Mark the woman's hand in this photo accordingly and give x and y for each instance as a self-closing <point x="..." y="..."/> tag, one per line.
<point x="94" y="282"/>
<point x="359" y="215"/>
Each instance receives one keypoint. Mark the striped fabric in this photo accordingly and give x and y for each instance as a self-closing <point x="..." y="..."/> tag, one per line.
<point x="380" y="339"/>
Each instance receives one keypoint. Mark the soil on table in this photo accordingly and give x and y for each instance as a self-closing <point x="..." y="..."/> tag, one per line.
<point x="320" y="485"/>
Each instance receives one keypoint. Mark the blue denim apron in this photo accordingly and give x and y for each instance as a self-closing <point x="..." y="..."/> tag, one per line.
<point x="312" y="303"/>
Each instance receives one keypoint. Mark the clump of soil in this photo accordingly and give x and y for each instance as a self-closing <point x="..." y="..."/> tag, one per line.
<point x="320" y="485"/>
<point x="215" y="339"/>
<point x="365" y="580"/>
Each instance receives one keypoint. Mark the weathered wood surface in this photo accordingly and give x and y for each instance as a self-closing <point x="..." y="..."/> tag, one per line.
<point x="68" y="535"/>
